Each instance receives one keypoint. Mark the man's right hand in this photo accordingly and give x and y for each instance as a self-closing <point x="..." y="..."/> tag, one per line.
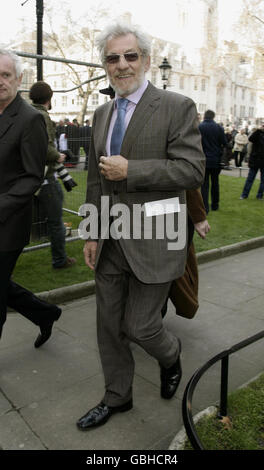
<point x="89" y="252"/>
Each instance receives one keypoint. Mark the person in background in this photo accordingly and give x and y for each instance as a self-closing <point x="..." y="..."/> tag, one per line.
<point x="214" y="143"/>
<point x="227" y="151"/>
<point x="255" y="163"/>
<point x="85" y="132"/>
<point x="240" y="147"/>
<point x="73" y="136"/>
<point x="51" y="194"/>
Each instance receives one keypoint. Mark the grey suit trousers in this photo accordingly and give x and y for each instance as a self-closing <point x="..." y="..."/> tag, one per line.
<point x="128" y="310"/>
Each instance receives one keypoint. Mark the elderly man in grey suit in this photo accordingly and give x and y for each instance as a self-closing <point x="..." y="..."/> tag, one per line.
<point x="159" y="158"/>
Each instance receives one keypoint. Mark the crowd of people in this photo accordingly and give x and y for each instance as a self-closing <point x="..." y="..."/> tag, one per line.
<point x="221" y="146"/>
<point x="70" y="137"/>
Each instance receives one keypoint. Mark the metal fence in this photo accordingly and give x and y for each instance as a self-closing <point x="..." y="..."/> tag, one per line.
<point x="73" y="172"/>
<point x="223" y="405"/>
<point x="72" y="140"/>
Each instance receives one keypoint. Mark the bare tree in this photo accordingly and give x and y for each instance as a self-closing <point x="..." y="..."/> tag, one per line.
<point x="76" y="40"/>
<point x="250" y="24"/>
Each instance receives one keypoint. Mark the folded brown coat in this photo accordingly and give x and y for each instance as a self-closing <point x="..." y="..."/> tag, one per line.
<point x="184" y="291"/>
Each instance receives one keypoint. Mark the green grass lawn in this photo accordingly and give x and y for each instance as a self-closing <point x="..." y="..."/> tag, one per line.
<point x="236" y="220"/>
<point x="244" y="430"/>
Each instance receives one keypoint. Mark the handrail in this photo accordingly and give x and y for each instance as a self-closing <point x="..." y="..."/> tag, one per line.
<point x="57" y="59"/>
<point x="189" y="390"/>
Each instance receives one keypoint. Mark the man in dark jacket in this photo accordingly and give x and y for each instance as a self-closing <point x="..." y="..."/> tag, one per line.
<point x="256" y="162"/>
<point x="23" y="149"/>
<point x="213" y="142"/>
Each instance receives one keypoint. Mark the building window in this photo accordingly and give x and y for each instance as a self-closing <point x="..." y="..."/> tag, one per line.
<point x="235" y="110"/>
<point x="243" y="93"/>
<point x="252" y="97"/>
<point x="203" y="84"/>
<point x="183" y="17"/>
<point x="181" y="83"/>
<point x="183" y="60"/>
<point x="64" y="101"/>
<point x="251" y="111"/>
<point x="196" y="84"/>
<point x="201" y="107"/>
<point x="242" y="111"/>
<point x="95" y="99"/>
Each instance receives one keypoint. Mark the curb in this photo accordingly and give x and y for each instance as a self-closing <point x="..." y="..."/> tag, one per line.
<point x="77" y="291"/>
<point x="180" y="439"/>
<point x="223" y="251"/>
<point x="68" y="293"/>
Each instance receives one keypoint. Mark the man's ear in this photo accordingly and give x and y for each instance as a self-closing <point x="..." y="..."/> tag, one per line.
<point x="19" y="80"/>
<point x="147" y="64"/>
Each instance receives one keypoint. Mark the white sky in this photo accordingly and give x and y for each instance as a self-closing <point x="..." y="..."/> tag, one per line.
<point x="155" y="17"/>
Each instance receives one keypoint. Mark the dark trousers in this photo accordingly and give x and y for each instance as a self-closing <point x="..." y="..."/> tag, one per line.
<point x="86" y="150"/>
<point x="51" y="203"/>
<point x="250" y="180"/>
<point x="239" y="157"/>
<point x="19" y="298"/>
<point x="213" y="174"/>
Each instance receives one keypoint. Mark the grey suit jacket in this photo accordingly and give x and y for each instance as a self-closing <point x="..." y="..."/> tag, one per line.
<point x="23" y="151"/>
<point x="163" y="147"/>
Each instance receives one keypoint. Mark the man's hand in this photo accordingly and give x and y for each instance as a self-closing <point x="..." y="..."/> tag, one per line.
<point x="113" y="168"/>
<point x="202" y="228"/>
<point x="89" y="251"/>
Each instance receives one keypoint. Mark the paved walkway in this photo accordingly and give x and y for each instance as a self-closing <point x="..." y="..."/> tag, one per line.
<point x="43" y="392"/>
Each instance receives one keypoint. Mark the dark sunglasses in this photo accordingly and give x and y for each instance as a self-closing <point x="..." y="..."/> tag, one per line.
<point x="114" y="58"/>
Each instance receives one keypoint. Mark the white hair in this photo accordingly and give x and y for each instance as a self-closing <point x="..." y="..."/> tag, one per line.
<point x="122" y="29"/>
<point x="15" y="59"/>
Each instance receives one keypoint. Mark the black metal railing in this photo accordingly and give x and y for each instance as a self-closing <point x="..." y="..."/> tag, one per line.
<point x="189" y="390"/>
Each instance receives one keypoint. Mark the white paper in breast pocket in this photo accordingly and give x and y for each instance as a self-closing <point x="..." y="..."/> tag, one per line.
<point x="162" y="207"/>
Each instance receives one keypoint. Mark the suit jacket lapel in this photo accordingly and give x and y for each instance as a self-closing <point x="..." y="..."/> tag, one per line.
<point x="143" y="112"/>
<point x="104" y="125"/>
<point x="5" y="123"/>
<point x="7" y="117"/>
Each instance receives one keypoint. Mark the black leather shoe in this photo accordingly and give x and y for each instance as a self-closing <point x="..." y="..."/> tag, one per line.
<point x="46" y="330"/>
<point x="100" y="414"/>
<point x="170" y="378"/>
<point x="45" y="334"/>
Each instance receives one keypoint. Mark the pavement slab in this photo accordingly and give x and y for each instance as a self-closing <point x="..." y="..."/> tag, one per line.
<point x="44" y="391"/>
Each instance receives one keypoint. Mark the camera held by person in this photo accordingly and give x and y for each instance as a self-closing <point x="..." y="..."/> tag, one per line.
<point x="63" y="174"/>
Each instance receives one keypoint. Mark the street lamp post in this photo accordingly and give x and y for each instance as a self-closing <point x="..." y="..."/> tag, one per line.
<point x="165" y="69"/>
<point x="39" y="12"/>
